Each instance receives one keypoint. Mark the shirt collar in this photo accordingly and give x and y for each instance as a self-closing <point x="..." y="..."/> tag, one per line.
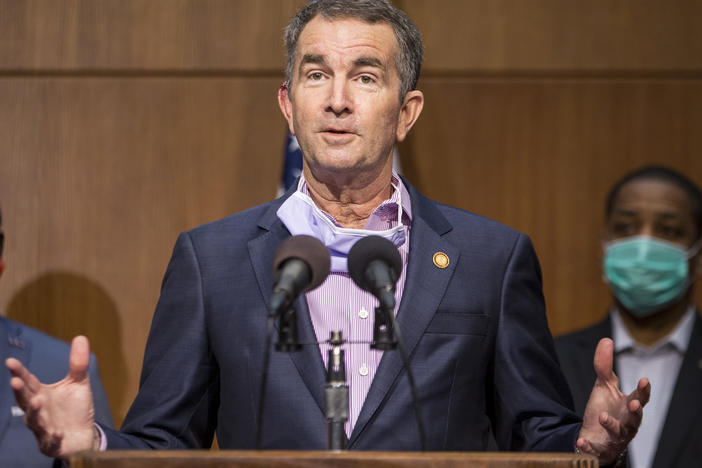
<point x="387" y="208"/>
<point x="679" y="337"/>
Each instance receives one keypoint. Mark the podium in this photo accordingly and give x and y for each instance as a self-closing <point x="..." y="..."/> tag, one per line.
<point x="319" y="459"/>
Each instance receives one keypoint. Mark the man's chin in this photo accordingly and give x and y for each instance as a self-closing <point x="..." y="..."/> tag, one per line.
<point x="337" y="172"/>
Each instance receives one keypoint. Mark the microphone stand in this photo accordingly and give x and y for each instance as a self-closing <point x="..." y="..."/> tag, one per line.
<point x="287" y="332"/>
<point x="383" y="338"/>
<point x="336" y="394"/>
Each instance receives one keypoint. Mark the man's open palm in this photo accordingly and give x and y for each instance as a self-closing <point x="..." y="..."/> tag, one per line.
<point x="61" y="414"/>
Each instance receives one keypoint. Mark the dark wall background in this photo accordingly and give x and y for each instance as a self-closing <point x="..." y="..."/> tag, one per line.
<point x="124" y="122"/>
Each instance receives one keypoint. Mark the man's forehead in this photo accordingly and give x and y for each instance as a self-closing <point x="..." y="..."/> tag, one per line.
<point x="321" y="36"/>
<point x="655" y="196"/>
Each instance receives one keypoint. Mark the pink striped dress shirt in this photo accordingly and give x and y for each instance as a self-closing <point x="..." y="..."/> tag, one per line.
<point x="338" y="304"/>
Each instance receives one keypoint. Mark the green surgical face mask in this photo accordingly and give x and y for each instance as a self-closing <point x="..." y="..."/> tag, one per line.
<point x="647" y="274"/>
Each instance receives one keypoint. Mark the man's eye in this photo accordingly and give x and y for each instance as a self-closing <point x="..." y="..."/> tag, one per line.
<point x="623" y="229"/>
<point x="365" y="79"/>
<point x="671" y="232"/>
<point x="316" y="76"/>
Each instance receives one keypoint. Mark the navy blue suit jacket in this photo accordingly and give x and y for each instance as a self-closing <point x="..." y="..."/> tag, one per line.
<point x="680" y="444"/>
<point x="481" y="351"/>
<point x="47" y="358"/>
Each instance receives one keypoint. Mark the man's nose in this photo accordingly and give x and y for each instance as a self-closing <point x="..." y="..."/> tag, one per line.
<point x="339" y="100"/>
<point x="646" y="229"/>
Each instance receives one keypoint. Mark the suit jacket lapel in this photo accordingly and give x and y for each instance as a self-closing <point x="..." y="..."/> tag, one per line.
<point x="262" y="250"/>
<point x="425" y="286"/>
<point x="685" y="408"/>
<point x="11" y="345"/>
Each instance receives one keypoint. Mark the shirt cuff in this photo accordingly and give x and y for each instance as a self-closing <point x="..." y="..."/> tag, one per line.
<point x="103" y="438"/>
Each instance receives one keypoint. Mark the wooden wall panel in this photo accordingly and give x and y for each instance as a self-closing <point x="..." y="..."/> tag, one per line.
<point x="99" y="176"/>
<point x="478" y="35"/>
<point x="103" y="35"/>
<point x="540" y="155"/>
<point x="559" y="35"/>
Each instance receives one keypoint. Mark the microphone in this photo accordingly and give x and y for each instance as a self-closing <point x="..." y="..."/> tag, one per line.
<point x="375" y="265"/>
<point x="301" y="264"/>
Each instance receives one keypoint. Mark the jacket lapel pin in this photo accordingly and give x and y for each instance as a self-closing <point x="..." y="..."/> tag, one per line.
<point x="441" y="260"/>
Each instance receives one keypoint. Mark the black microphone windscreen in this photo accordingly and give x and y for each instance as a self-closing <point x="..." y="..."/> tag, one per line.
<point x="368" y="249"/>
<point x="308" y="249"/>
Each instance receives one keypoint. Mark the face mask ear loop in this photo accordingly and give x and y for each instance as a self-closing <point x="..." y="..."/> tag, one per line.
<point x="695" y="249"/>
<point x="691" y="252"/>
<point x="399" y="204"/>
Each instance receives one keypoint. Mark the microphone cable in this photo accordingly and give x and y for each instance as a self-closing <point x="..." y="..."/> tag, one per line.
<point x="366" y="251"/>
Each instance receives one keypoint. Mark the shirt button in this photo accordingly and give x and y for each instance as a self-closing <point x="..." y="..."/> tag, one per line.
<point x="363" y="313"/>
<point x="363" y="370"/>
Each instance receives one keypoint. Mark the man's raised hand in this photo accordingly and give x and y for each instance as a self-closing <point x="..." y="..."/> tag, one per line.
<point x="611" y="418"/>
<point x="61" y="414"/>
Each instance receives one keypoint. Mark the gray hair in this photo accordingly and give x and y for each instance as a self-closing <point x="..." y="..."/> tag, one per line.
<point x="408" y="62"/>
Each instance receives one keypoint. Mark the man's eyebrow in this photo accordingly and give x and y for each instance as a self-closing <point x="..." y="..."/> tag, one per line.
<point x="315" y="59"/>
<point x="629" y="213"/>
<point x="624" y="212"/>
<point x="318" y="59"/>
<point x="369" y="62"/>
<point x="670" y="215"/>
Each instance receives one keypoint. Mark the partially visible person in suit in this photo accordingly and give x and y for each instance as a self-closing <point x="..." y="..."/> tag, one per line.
<point x="47" y="357"/>
<point x="652" y="236"/>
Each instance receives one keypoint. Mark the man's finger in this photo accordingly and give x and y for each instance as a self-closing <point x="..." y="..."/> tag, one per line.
<point x="635" y="406"/>
<point x="610" y="424"/>
<point x="22" y="394"/>
<point x="18" y="370"/>
<point x="604" y="358"/>
<point x="33" y="417"/>
<point x="79" y="359"/>
<point x="633" y="421"/>
<point x="585" y="447"/>
<point x="642" y="392"/>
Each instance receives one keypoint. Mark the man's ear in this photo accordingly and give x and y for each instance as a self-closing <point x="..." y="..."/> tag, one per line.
<point x="286" y="105"/>
<point x="696" y="267"/>
<point x="409" y="113"/>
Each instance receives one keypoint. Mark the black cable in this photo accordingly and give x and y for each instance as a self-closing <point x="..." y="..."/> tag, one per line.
<point x="410" y="377"/>
<point x="264" y="379"/>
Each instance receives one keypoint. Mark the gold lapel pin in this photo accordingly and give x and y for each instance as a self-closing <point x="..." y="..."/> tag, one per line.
<point x="441" y="260"/>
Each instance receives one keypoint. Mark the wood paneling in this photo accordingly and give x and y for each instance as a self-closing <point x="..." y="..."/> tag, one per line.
<point x="559" y="35"/>
<point x="477" y="35"/>
<point x="102" y="35"/>
<point x="99" y="175"/>
<point x="540" y="155"/>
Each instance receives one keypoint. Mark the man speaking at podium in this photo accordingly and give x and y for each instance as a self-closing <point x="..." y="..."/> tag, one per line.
<point x="470" y="302"/>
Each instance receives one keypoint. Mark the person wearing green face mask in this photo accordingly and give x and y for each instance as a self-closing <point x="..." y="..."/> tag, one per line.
<point x="650" y="262"/>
